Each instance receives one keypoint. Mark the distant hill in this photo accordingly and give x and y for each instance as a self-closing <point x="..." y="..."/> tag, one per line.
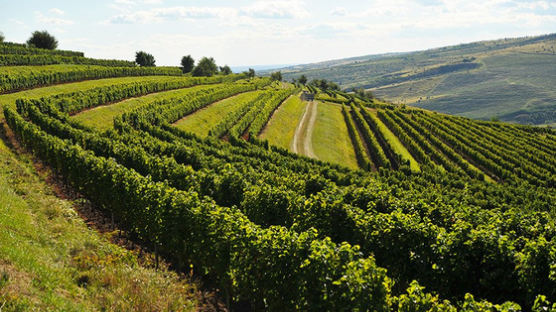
<point x="507" y="79"/>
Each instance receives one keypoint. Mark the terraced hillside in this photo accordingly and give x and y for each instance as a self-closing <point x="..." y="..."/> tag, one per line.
<point x="444" y="214"/>
<point x="507" y="79"/>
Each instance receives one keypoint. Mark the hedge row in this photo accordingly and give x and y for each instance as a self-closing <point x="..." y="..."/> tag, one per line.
<point x="42" y="77"/>
<point x="48" y="59"/>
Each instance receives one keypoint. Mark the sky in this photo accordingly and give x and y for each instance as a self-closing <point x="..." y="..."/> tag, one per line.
<point x="263" y="32"/>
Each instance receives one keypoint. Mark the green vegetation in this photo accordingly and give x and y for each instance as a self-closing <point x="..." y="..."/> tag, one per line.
<point x="144" y="59"/>
<point x="394" y="143"/>
<point x="280" y="129"/>
<point x="508" y="79"/>
<point x="42" y="40"/>
<point x="102" y="117"/>
<point x="205" y="67"/>
<point x="187" y="64"/>
<point x="15" y="78"/>
<point x="51" y="261"/>
<point x="270" y="229"/>
<point x="202" y="121"/>
<point x="331" y="141"/>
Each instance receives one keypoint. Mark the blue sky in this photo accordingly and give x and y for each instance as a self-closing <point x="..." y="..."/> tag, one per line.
<point x="270" y="31"/>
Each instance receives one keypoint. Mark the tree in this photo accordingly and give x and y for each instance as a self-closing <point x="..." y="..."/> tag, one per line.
<point x="302" y="80"/>
<point x="187" y="64"/>
<point x="1" y="37"/>
<point x="251" y="73"/>
<point x="144" y="59"/>
<point x="43" y="40"/>
<point x="276" y="76"/>
<point x="205" y="67"/>
<point x="226" y="70"/>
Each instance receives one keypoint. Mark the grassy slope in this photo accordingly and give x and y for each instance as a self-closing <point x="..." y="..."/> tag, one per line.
<point x="102" y="117"/>
<point x="51" y="261"/>
<point x="395" y="143"/>
<point x="280" y="130"/>
<point x="331" y="140"/>
<point x="513" y="81"/>
<point x="201" y="121"/>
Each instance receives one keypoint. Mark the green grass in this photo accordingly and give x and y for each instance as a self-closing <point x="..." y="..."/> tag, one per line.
<point x="395" y="143"/>
<point x="102" y="117"/>
<point x="51" y="261"/>
<point x="280" y="130"/>
<point x="77" y="86"/>
<point x="201" y="121"/>
<point x="331" y="141"/>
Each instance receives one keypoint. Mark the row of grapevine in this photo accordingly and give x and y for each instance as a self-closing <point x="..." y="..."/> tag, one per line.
<point x="360" y="152"/>
<point x="506" y="141"/>
<point x="220" y="129"/>
<point x="48" y="59"/>
<point x="407" y="140"/>
<point x="10" y="82"/>
<point x="22" y="49"/>
<point x="395" y="160"/>
<point x="263" y="116"/>
<point x="488" y="155"/>
<point x="377" y="154"/>
<point x="442" y="148"/>
<point x="77" y="101"/>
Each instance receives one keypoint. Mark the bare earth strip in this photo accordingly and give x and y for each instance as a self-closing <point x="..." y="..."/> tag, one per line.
<point x="303" y="134"/>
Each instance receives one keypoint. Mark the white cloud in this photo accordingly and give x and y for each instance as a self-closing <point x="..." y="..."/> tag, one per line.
<point x="173" y="13"/>
<point x="52" y="20"/>
<point x="125" y="2"/>
<point x="56" y="11"/>
<point x="276" y="9"/>
<point x="339" y="12"/>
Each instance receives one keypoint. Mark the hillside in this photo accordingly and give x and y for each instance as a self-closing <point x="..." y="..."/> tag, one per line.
<point x="508" y="79"/>
<point x="281" y="204"/>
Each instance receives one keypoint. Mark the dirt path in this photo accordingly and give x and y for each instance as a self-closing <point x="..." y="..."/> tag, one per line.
<point x="303" y="134"/>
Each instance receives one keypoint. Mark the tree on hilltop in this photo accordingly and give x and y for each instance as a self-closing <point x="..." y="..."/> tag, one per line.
<point x="1" y="37"/>
<point x="205" y="67"/>
<point x="187" y="64"/>
<point x="226" y="70"/>
<point x="42" y="40"/>
<point x="302" y="80"/>
<point x="144" y="59"/>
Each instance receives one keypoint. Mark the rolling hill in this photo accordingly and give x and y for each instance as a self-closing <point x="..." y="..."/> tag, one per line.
<point x="340" y="203"/>
<point x="508" y="79"/>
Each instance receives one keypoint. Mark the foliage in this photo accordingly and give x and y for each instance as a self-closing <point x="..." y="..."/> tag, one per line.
<point x="302" y="79"/>
<point x="144" y="59"/>
<point x="276" y="76"/>
<point x="187" y="64"/>
<point x="42" y="40"/>
<point x="1" y="37"/>
<point x="270" y="227"/>
<point x="225" y="70"/>
<point x="205" y="67"/>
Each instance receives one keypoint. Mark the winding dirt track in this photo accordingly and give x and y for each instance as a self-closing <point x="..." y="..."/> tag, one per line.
<point x="303" y="134"/>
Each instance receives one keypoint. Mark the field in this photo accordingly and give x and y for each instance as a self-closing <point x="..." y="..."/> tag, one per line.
<point x="330" y="137"/>
<point x="205" y="119"/>
<point x="400" y="209"/>
<point x="279" y="130"/>
<point x="507" y="79"/>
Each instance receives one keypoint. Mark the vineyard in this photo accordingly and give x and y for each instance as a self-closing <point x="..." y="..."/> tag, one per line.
<point x="437" y="213"/>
